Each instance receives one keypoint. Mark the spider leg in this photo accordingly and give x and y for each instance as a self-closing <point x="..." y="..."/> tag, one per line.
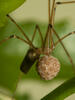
<point x="16" y="37"/>
<point x="52" y="12"/>
<point x="12" y="36"/>
<point x="54" y="15"/>
<point x="60" y="3"/>
<point x="46" y="40"/>
<point x="21" y="30"/>
<point x="71" y="33"/>
<point x="49" y="10"/>
<point x="37" y="28"/>
<point x="69" y="57"/>
<point x="51" y="22"/>
<point x="68" y="2"/>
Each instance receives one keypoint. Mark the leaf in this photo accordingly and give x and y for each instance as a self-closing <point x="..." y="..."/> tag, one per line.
<point x="63" y="91"/>
<point x="7" y="6"/>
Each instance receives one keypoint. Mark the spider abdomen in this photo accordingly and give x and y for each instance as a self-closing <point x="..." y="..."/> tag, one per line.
<point x="48" y="67"/>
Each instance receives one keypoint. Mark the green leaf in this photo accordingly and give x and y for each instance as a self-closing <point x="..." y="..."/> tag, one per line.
<point x="63" y="91"/>
<point x="7" y="6"/>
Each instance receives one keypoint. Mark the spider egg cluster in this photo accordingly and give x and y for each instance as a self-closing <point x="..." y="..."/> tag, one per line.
<point x="48" y="67"/>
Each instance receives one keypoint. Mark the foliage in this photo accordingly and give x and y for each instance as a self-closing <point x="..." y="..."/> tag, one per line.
<point x="7" y="6"/>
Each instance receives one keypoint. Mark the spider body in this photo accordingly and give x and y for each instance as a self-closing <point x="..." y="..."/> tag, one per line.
<point x="47" y="46"/>
<point x="47" y="66"/>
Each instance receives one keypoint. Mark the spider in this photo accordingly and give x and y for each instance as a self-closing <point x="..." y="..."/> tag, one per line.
<point x="47" y="66"/>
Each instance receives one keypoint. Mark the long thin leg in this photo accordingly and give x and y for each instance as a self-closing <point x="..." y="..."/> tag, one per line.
<point x="54" y="15"/>
<point x="49" y="9"/>
<point x="20" y="29"/>
<point x="13" y="36"/>
<point x="52" y="11"/>
<point x="56" y="4"/>
<point x="37" y="28"/>
<point x="67" y="2"/>
<point x="70" y="59"/>
<point x="71" y="33"/>
<point x="47" y="37"/>
<point x="46" y="42"/>
<point x="60" y="3"/>
<point x="17" y="37"/>
<point x="51" y="33"/>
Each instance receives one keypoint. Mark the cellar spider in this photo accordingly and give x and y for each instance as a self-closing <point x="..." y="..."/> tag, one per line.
<point x="47" y="65"/>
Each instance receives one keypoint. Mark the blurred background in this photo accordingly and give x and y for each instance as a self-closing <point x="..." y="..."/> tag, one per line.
<point x="31" y="87"/>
